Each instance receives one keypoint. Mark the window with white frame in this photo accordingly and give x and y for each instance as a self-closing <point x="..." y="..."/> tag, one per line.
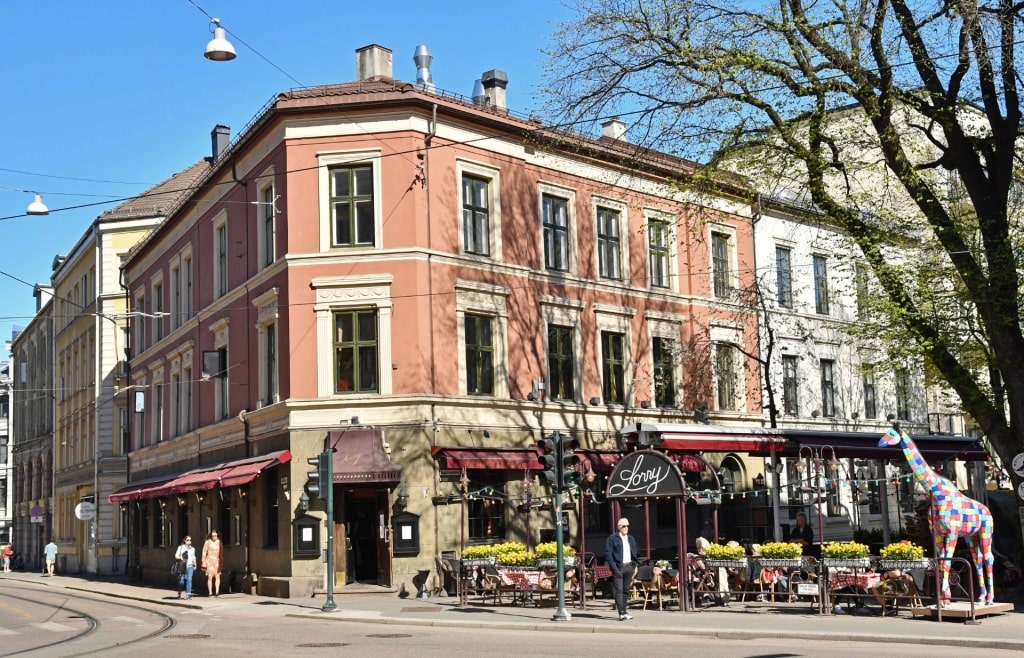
<point x="188" y="292"/>
<point x="609" y="241"/>
<point x="187" y="386"/>
<point x="220" y="255"/>
<point x="562" y="320"/>
<point x="828" y="388"/>
<point x="870" y="405"/>
<point x="139" y="325"/>
<point x="666" y="365"/>
<point x="726" y="377"/>
<point x="266" y="333"/>
<point x="481" y="314"/>
<point x="558" y="219"/>
<point x="139" y="416"/>
<point x="659" y="253"/>
<point x="221" y="330"/>
<point x="479" y="188"/>
<point x="175" y="283"/>
<point x="790" y="390"/>
<point x="157" y="404"/>
<point x="615" y="353"/>
<point x="175" y="411"/>
<point x="158" y="309"/>
<point x="821" y="296"/>
<point x="353" y="320"/>
<point x="902" y="385"/>
<point x="267" y="218"/>
<point x="722" y="274"/>
<point x="350" y="189"/>
<point x="784" y="276"/>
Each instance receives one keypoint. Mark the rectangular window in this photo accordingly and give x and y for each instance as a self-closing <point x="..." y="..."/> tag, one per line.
<point x="821" y="285"/>
<point x="158" y="413"/>
<point x="355" y="351"/>
<point x="186" y="399"/>
<point x="161" y="528"/>
<point x="556" y="233"/>
<point x="222" y="260"/>
<point x="861" y="283"/>
<point x="725" y="374"/>
<point x="158" y="309"/>
<point x="352" y="212"/>
<point x="186" y="265"/>
<point x="902" y="394"/>
<point x="271" y="510"/>
<point x="221" y="403"/>
<point x="784" y="277"/>
<point x="487" y="514"/>
<point x="175" y="403"/>
<point x="609" y="244"/>
<point x="658" y="244"/>
<point x="479" y="355"/>
<point x="176" y="318"/>
<point x="224" y="521"/>
<point x="139" y="324"/>
<point x="268" y="225"/>
<point x="561" y="364"/>
<point x="663" y="357"/>
<point x="828" y="390"/>
<point x="790" y="401"/>
<point x="270" y="367"/>
<point x="475" y="215"/>
<point x="720" y="264"/>
<point x="613" y="367"/>
<point x="870" y="409"/>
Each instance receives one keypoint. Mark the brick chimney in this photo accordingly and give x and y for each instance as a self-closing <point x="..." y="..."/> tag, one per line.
<point x="614" y="128"/>
<point x="494" y="82"/>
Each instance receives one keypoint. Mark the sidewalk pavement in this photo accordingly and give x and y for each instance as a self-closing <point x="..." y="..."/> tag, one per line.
<point x="739" y="620"/>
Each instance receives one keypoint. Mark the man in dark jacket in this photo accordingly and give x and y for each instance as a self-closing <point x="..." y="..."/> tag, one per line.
<point x="620" y="553"/>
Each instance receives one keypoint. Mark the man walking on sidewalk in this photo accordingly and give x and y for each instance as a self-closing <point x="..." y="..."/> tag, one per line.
<point x="50" y="552"/>
<point x="620" y="554"/>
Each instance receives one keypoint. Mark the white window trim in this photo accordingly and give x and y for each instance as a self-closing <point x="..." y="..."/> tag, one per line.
<point x="351" y="292"/>
<point x="617" y="319"/>
<point x="490" y="300"/>
<point x="174" y="389"/>
<point x="175" y="292"/>
<point x="221" y="330"/>
<point x="668" y="326"/>
<point x="220" y="220"/>
<point x="493" y="177"/>
<point x="157" y="408"/>
<point x="566" y="313"/>
<point x="734" y="281"/>
<point x="139" y="344"/>
<point x="624" y="232"/>
<point x="157" y="306"/>
<point x="731" y="333"/>
<point x="327" y="160"/>
<point x="187" y="294"/>
<point x="267" y="309"/>
<point x="185" y="416"/>
<point x="673" y="268"/>
<point x="266" y="182"/>
<point x="569" y="195"/>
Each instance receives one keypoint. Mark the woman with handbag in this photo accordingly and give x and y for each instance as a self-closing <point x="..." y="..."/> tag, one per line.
<point x="186" y="557"/>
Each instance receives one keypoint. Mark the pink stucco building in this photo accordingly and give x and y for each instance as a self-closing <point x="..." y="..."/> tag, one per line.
<point x="430" y="284"/>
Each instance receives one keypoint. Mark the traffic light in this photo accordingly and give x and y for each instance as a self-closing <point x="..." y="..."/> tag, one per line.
<point x="568" y="475"/>
<point x="317" y="481"/>
<point x="548" y="448"/>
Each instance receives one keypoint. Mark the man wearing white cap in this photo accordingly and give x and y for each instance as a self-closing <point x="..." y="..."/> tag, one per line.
<point x="620" y="554"/>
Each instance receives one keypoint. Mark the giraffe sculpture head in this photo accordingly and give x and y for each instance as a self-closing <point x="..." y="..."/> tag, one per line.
<point x="890" y="438"/>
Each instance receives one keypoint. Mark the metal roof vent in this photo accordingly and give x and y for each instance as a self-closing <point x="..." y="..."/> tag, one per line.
<point x="423" y="59"/>
<point x="479" y="97"/>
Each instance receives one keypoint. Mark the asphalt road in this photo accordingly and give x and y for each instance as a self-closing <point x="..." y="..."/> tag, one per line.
<point x="40" y="621"/>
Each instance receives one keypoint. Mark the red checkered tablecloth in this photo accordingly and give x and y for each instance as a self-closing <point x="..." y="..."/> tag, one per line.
<point x="859" y="580"/>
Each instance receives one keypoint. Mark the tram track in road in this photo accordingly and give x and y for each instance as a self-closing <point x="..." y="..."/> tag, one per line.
<point x="61" y="603"/>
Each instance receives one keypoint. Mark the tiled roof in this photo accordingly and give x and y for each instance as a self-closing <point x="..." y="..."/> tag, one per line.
<point x="158" y="199"/>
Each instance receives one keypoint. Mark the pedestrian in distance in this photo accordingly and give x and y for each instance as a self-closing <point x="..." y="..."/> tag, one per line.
<point x="620" y="553"/>
<point x="213" y="562"/>
<point x="7" y="552"/>
<point x="50" y="554"/>
<point x="186" y="554"/>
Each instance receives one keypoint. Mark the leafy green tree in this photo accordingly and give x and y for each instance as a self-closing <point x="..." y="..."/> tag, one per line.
<point x="898" y="119"/>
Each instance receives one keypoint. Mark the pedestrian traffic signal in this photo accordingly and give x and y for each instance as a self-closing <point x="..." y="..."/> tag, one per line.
<point x="548" y="448"/>
<point x="568" y="475"/>
<point x="317" y="481"/>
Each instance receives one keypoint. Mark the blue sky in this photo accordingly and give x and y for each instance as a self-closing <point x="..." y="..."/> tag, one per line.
<point x="102" y="99"/>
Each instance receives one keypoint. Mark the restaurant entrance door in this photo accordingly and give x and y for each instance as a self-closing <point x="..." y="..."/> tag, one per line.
<point x="367" y="532"/>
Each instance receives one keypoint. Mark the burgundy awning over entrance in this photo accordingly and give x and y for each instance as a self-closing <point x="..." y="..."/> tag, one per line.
<point x="227" y="474"/>
<point x="488" y="459"/>
<point x="359" y="457"/>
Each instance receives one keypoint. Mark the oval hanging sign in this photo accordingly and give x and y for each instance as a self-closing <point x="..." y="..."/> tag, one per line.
<point x="645" y="474"/>
<point x="85" y="511"/>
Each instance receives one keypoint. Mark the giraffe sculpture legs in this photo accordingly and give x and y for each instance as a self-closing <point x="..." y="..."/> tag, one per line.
<point x="945" y="545"/>
<point x="981" y="554"/>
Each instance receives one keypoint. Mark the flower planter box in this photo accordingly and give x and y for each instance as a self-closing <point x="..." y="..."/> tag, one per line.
<point x="726" y="564"/>
<point x="551" y="562"/>
<point x="479" y="561"/>
<point x="923" y="563"/>
<point x="846" y="562"/>
<point x="781" y="562"/>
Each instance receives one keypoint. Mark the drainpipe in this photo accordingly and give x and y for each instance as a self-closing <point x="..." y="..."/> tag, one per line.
<point x="430" y="270"/>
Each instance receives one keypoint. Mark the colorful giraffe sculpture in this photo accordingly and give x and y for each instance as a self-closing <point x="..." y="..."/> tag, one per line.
<point x="951" y="515"/>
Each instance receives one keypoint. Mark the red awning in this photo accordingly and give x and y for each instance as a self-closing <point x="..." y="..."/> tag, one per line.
<point x="228" y="474"/>
<point x="244" y="473"/>
<point x="489" y="459"/>
<point x="704" y="438"/>
<point x="359" y="457"/>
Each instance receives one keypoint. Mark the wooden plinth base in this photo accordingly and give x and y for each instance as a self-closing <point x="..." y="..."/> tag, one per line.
<point x="961" y="610"/>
